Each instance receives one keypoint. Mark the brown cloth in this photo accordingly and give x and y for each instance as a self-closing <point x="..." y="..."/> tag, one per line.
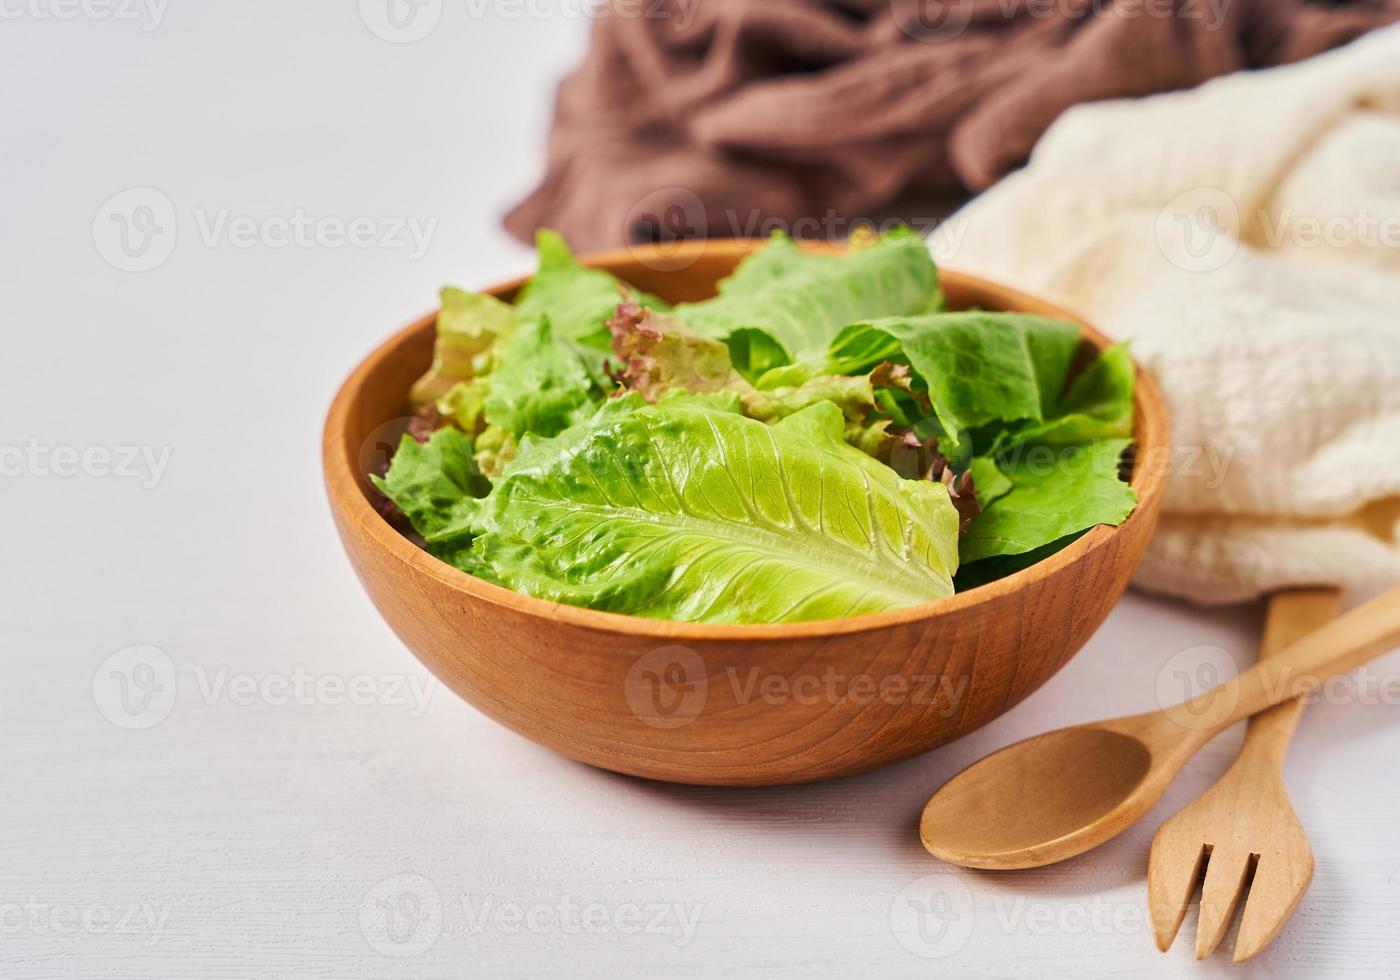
<point x="732" y="118"/>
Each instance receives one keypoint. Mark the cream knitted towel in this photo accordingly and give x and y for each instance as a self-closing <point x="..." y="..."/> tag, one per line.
<point x="1244" y="236"/>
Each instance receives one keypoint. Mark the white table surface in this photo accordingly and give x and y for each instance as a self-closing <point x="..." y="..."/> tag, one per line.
<point x="295" y="830"/>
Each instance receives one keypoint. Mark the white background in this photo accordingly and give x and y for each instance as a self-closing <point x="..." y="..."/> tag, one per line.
<point x="259" y="835"/>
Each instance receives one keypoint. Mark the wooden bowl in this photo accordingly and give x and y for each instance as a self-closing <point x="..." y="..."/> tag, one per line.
<point x="726" y="705"/>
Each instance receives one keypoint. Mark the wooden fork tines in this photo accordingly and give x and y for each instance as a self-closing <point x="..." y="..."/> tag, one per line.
<point x="1241" y="838"/>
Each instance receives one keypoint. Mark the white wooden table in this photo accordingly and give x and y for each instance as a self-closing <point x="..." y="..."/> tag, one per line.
<point x="218" y="761"/>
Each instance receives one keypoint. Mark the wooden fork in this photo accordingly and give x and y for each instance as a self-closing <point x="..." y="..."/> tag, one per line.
<point x="1242" y="834"/>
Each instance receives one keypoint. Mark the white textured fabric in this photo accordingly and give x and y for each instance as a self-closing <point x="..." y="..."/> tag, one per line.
<point x="1244" y="236"/>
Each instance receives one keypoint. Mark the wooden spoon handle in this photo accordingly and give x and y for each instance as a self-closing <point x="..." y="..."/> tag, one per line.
<point x="1361" y="635"/>
<point x="1293" y="614"/>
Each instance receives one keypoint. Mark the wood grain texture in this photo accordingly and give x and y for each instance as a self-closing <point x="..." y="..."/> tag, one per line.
<point x="728" y="705"/>
<point x="1242" y="833"/>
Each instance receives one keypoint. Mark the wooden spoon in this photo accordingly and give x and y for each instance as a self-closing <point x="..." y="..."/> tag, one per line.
<point x="1057" y="795"/>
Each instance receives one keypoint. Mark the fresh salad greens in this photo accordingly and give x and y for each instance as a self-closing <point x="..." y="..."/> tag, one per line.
<point x="818" y="440"/>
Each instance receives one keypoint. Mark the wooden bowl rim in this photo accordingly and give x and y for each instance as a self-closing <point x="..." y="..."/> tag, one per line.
<point x="339" y="460"/>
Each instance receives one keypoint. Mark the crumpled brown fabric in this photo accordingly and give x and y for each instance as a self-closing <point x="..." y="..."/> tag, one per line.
<point x="734" y="118"/>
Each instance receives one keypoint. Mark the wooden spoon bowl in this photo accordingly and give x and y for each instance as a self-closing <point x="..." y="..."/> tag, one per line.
<point x="726" y="705"/>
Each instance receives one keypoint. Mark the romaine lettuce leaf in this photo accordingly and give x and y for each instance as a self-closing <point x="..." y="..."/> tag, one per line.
<point x="783" y="304"/>
<point x="1098" y="405"/>
<point x="978" y="367"/>
<point x="1055" y="492"/>
<point x="678" y="511"/>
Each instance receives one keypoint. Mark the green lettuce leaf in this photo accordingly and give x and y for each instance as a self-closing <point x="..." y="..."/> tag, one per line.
<point x="992" y="484"/>
<point x="1055" y="492"/>
<point x="437" y="485"/>
<point x="977" y="573"/>
<point x="679" y="511"/>
<point x="783" y="304"/>
<point x="780" y="256"/>
<point x="660" y="354"/>
<point x="799" y="447"/>
<point x="495" y="448"/>
<point x="464" y="403"/>
<point x="469" y="327"/>
<point x="576" y="299"/>
<point x="854" y="396"/>
<point x="978" y="367"/>
<point x="1098" y="405"/>
<point x="538" y="385"/>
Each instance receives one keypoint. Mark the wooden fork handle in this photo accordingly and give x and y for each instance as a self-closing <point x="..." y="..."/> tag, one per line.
<point x="1347" y="642"/>
<point x="1293" y="614"/>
